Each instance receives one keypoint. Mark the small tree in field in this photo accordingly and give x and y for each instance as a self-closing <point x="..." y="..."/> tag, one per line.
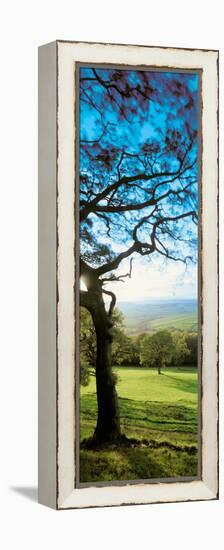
<point x="156" y="350"/>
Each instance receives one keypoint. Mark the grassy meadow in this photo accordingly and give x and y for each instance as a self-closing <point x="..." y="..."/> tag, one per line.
<point x="159" y="412"/>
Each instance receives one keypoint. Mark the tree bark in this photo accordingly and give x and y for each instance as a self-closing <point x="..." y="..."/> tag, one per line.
<point x="108" y="420"/>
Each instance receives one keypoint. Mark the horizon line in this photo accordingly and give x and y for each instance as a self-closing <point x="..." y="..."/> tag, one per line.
<point x="148" y="299"/>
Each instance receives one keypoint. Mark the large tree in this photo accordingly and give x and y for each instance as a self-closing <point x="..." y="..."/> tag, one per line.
<point x="138" y="193"/>
<point x="124" y="349"/>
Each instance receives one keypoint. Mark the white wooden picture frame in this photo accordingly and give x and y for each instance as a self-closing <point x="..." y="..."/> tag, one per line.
<point x="57" y="282"/>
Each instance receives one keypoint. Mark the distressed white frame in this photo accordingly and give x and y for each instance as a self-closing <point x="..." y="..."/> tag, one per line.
<point x="66" y="496"/>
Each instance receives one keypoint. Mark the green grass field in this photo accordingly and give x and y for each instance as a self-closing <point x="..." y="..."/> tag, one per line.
<point x="158" y="411"/>
<point x="186" y="322"/>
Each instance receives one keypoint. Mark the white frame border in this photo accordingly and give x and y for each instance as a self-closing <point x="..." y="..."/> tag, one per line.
<point x="67" y="54"/>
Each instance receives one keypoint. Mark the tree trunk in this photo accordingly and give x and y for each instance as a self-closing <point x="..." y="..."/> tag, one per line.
<point x="108" y="421"/>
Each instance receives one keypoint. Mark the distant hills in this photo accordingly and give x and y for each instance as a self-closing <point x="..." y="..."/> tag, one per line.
<point x="153" y="315"/>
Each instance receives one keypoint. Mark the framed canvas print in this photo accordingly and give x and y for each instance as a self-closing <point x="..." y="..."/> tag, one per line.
<point x="128" y="275"/>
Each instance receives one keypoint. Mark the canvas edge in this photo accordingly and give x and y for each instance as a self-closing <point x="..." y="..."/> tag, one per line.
<point x="197" y="491"/>
<point x="210" y="285"/>
<point x="47" y="250"/>
<point x="151" y="46"/>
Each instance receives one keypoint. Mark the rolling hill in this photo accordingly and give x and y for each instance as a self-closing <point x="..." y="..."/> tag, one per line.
<point x="154" y="315"/>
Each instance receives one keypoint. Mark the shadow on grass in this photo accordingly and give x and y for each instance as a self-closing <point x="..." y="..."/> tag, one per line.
<point x="182" y="385"/>
<point x="140" y="415"/>
<point x="125" y="464"/>
<point x="135" y="464"/>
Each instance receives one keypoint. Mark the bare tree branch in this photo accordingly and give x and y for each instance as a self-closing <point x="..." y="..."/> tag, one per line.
<point x="119" y="277"/>
<point x="143" y="248"/>
<point x="93" y="205"/>
<point x="113" y="301"/>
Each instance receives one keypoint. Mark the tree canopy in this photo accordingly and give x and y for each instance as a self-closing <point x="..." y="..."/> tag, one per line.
<point x="138" y="167"/>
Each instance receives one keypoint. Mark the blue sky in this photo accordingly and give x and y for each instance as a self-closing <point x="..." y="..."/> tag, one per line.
<point x="172" y="110"/>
